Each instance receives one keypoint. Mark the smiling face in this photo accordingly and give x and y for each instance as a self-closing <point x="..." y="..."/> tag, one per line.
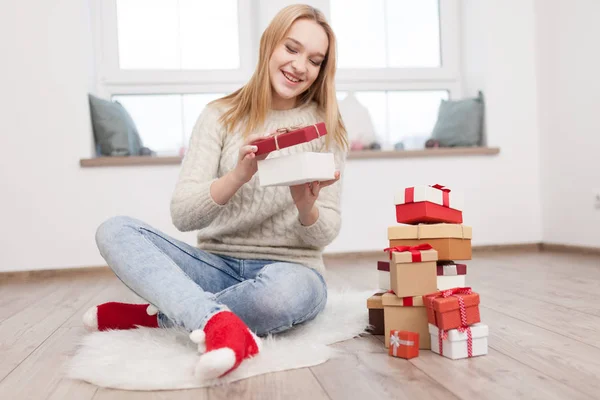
<point x="296" y="62"/>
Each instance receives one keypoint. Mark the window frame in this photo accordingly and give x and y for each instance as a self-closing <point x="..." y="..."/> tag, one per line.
<point x="110" y="80"/>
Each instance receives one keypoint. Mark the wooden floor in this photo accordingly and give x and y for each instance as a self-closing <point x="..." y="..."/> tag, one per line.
<point x="542" y="310"/>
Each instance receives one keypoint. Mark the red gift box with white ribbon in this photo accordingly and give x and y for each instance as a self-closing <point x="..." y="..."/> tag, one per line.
<point x="428" y="204"/>
<point x="404" y="344"/>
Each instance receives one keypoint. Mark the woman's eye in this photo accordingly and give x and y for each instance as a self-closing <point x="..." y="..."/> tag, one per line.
<point x="290" y="49"/>
<point x="315" y="63"/>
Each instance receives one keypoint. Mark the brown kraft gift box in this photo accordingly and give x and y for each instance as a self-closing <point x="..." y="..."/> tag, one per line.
<point x="452" y="241"/>
<point x="375" y="306"/>
<point x="402" y="317"/>
<point x="410" y="278"/>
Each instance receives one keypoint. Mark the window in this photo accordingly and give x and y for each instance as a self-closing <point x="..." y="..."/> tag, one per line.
<point x="164" y="60"/>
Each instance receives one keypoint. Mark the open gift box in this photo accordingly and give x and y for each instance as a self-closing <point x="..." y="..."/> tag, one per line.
<point x="428" y="204"/>
<point x="296" y="169"/>
<point x="451" y="241"/>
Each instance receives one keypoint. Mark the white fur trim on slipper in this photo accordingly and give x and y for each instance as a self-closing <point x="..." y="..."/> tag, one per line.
<point x="215" y="363"/>
<point x="90" y="319"/>
<point x="151" y="310"/>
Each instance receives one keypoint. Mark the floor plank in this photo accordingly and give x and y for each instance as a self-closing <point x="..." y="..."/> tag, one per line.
<point x="495" y="376"/>
<point x="568" y="322"/>
<point x="41" y="372"/>
<point x="23" y="332"/>
<point x="376" y="375"/>
<point x="574" y="363"/>
<point x="285" y="385"/>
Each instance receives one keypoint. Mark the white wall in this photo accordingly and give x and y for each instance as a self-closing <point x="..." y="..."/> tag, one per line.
<point x="51" y="207"/>
<point x="568" y="67"/>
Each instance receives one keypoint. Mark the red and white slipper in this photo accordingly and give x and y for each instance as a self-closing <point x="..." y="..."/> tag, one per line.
<point x="118" y="316"/>
<point x="226" y="341"/>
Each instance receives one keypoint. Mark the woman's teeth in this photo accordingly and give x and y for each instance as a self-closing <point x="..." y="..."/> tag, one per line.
<point x="290" y="78"/>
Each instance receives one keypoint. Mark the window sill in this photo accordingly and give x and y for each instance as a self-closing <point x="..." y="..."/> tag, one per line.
<point x="353" y="155"/>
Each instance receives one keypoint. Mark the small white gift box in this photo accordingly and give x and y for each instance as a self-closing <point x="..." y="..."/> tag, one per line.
<point x="383" y="270"/>
<point x="450" y="282"/>
<point x="296" y="169"/>
<point x="455" y="344"/>
<point x="451" y="276"/>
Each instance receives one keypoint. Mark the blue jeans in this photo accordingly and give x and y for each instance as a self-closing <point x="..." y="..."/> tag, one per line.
<point x="188" y="285"/>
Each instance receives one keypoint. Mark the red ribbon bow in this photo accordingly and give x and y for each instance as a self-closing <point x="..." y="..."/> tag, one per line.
<point x="456" y="292"/>
<point x="440" y="187"/>
<point x="414" y="250"/>
<point x="445" y="194"/>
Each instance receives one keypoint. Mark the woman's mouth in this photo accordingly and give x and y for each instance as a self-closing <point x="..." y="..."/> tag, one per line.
<point x="291" y="78"/>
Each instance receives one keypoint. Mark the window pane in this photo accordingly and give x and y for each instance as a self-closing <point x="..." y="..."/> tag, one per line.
<point x="193" y="104"/>
<point x="209" y="34"/>
<point x="360" y="31"/>
<point x="412" y="116"/>
<point x="413" y="31"/>
<point x="183" y="34"/>
<point x="158" y="120"/>
<point x="391" y="117"/>
<point x="147" y="34"/>
<point x="387" y="33"/>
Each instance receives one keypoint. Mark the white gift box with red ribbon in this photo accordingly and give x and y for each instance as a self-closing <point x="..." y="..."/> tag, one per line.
<point x="451" y="276"/>
<point x="436" y="194"/>
<point x="296" y="169"/>
<point x="455" y="344"/>
<point x="383" y="273"/>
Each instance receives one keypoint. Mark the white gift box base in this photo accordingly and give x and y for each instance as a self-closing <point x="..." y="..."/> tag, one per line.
<point x="384" y="280"/>
<point x="455" y="346"/>
<point x="296" y="169"/>
<point x="450" y="281"/>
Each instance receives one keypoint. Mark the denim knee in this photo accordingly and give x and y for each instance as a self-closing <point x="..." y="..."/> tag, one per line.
<point x="299" y="295"/>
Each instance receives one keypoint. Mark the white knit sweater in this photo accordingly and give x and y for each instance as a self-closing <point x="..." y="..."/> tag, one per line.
<point x="257" y="222"/>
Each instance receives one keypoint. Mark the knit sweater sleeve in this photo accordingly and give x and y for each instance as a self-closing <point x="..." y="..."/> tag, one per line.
<point x="327" y="227"/>
<point x="192" y="206"/>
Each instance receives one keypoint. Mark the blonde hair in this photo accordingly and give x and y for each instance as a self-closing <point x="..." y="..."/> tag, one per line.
<point x="253" y="100"/>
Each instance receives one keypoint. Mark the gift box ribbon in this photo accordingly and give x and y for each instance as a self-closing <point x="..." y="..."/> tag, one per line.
<point x="456" y="292"/>
<point x="409" y="194"/>
<point x="443" y="335"/>
<point x="415" y="301"/>
<point x="396" y="342"/>
<point x="275" y="135"/>
<point x="415" y="251"/>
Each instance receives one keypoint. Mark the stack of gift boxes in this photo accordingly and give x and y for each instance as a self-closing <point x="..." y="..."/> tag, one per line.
<point x="423" y="302"/>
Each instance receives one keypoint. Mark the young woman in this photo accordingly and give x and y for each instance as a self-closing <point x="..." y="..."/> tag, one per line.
<point x="257" y="268"/>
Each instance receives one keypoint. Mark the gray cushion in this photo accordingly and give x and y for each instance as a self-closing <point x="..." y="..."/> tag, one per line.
<point x="460" y="122"/>
<point x="115" y="132"/>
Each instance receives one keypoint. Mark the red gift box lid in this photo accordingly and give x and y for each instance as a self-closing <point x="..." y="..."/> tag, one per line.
<point x="286" y="138"/>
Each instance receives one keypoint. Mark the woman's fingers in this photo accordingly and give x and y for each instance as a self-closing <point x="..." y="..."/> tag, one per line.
<point x="332" y="181"/>
<point x="247" y="149"/>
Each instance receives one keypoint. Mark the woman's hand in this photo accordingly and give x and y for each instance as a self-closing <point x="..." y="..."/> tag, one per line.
<point x="306" y="195"/>
<point x="247" y="160"/>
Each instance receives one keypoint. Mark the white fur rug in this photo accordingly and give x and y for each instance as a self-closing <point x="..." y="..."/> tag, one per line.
<point x="161" y="359"/>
